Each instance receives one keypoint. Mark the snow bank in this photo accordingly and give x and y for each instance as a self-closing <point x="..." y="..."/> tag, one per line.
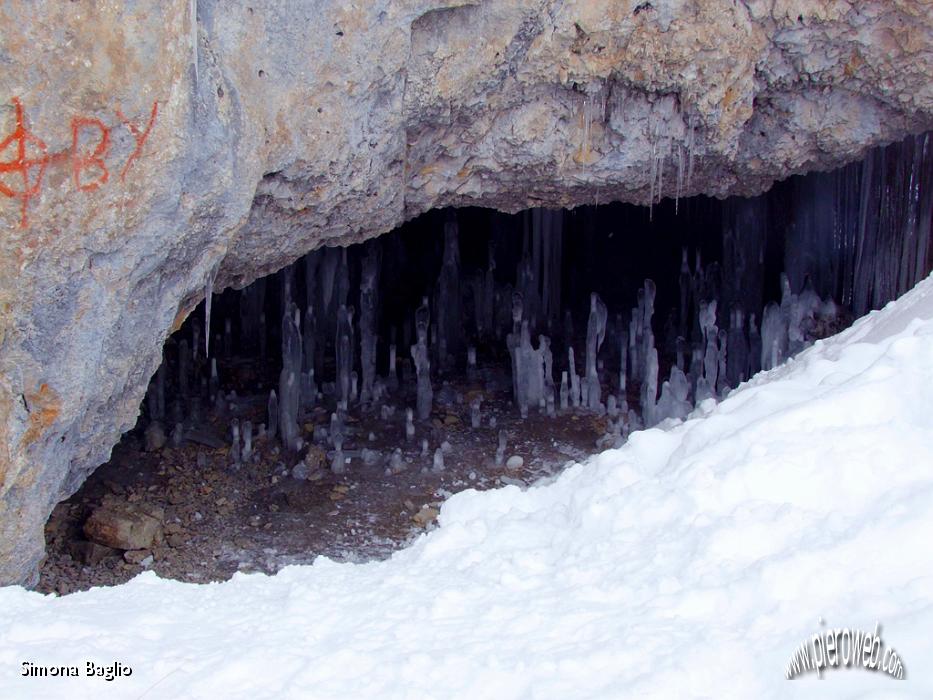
<point x="689" y="563"/>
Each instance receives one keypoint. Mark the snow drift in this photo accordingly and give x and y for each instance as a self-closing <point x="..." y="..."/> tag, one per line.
<point x="689" y="563"/>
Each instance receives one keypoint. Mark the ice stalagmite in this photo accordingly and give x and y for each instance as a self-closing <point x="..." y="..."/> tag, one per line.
<point x="290" y="378"/>
<point x="368" y="287"/>
<point x="513" y="343"/>
<point x="422" y="362"/>
<point x="235" y="442"/>
<point x="247" y="440"/>
<point x="525" y="371"/>
<point x="309" y="340"/>
<point x="547" y="357"/>
<point x="273" y="412"/>
<point x="649" y="390"/>
<point x="711" y="358"/>
<point x="737" y="358"/>
<point x="500" y="449"/>
<point x="409" y="425"/>
<point x="344" y="347"/>
<point x="392" y="379"/>
<point x="574" y="379"/>
<point x="595" y="334"/>
<point x="674" y="392"/>
<point x="773" y="337"/>
<point x="722" y="382"/>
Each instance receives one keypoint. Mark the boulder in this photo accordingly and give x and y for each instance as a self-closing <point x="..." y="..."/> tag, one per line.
<point x="125" y="526"/>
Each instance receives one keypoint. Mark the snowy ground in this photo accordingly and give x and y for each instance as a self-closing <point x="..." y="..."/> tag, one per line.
<point x="689" y="563"/>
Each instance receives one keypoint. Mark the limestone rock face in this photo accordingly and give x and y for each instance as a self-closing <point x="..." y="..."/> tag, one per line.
<point x="145" y="146"/>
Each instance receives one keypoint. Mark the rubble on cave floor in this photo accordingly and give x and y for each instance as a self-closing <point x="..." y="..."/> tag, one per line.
<point x="215" y="519"/>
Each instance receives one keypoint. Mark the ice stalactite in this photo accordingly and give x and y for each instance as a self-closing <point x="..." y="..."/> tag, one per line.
<point x="208" y="300"/>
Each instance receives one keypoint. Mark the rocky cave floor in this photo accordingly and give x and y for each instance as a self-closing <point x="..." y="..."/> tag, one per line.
<point x="215" y="519"/>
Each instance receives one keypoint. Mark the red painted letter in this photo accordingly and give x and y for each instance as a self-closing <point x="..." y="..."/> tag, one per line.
<point x="83" y="161"/>
<point x="140" y="136"/>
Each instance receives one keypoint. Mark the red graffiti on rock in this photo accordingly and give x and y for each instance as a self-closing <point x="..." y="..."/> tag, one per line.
<point x="29" y="163"/>
<point x="24" y="157"/>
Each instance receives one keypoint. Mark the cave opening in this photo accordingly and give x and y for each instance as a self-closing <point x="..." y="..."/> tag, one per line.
<point x="329" y="408"/>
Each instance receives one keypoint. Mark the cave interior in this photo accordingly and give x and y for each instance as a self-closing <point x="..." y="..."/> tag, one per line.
<point x="329" y="408"/>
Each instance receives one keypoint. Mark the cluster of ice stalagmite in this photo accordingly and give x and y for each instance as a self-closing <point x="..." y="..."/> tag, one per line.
<point x="337" y="356"/>
<point x="422" y="362"/>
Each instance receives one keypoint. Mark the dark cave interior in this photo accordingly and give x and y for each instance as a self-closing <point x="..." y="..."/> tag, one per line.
<point x="294" y="434"/>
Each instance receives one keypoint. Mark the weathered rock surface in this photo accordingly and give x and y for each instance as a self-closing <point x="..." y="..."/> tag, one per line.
<point x="144" y="146"/>
<point x="124" y="526"/>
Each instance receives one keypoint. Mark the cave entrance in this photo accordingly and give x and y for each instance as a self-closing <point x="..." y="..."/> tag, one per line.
<point x="329" y="408"/>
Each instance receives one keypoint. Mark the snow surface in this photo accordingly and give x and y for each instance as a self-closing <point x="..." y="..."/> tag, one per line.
<point x="689" y="563"/>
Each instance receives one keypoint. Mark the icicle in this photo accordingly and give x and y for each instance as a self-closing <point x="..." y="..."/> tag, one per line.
<point x="208" y="298"/>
